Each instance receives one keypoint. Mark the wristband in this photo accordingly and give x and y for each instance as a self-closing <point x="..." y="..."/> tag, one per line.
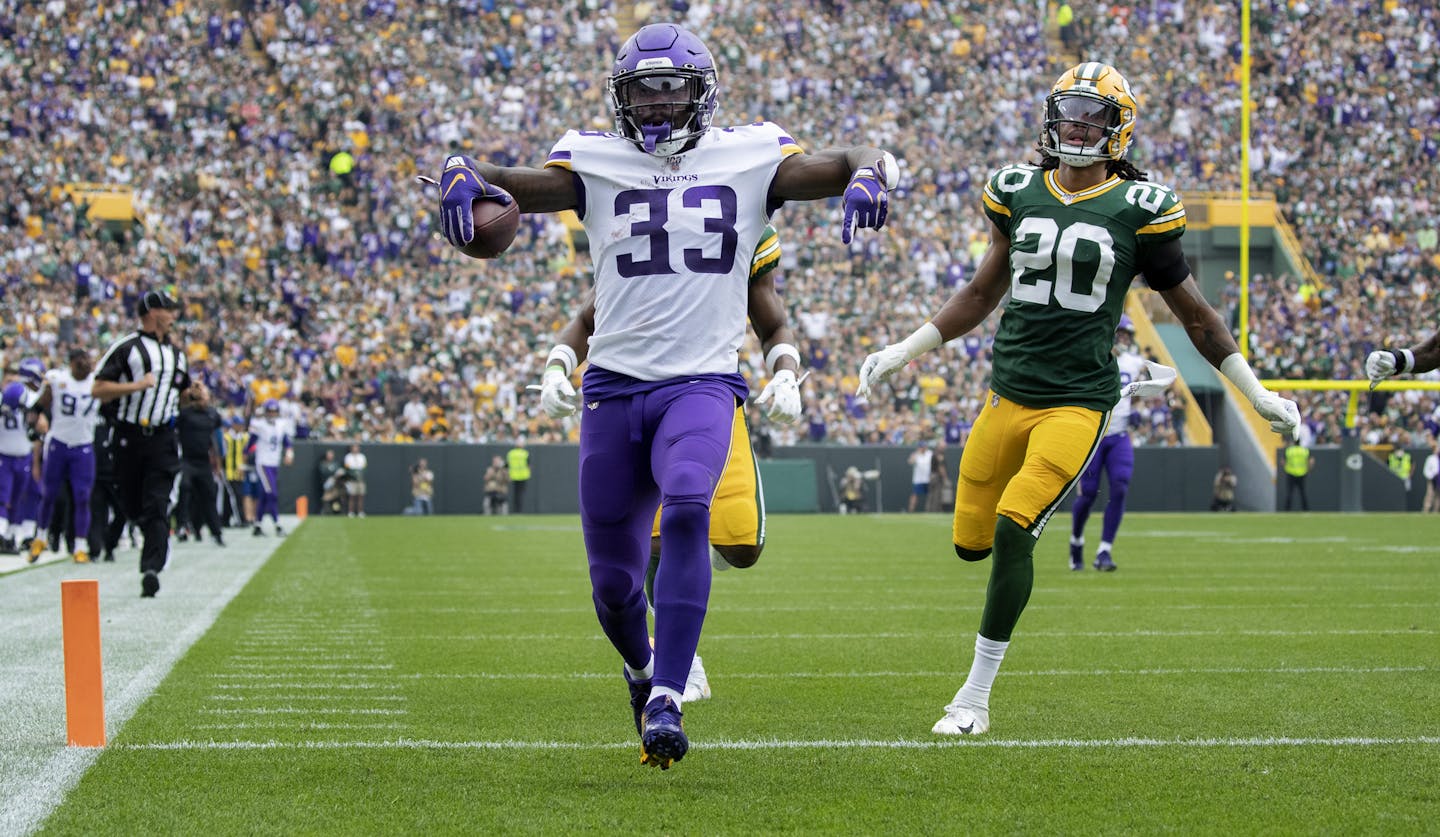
<point x="1404" y="360"/>
<point x="887" y="166"/>
<point x="564" y="357"/>
<point x="1238" y="371"/>
<point x="778" y="351"/>
<point x="925" y="338"/>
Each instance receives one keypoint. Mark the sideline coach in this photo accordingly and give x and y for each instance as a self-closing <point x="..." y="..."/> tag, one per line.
<point x="140" y="380"/>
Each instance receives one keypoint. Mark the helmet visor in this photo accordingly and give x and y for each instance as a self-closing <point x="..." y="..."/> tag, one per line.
<point x="658" y="98"/>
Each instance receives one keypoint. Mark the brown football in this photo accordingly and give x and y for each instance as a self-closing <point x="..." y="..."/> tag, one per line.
<point x="495" y="226"/>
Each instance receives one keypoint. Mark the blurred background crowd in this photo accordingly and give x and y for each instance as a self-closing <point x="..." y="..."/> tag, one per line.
<point x="272" y="149"/>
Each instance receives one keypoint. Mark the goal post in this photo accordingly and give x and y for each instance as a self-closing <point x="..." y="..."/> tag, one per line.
<point x="1351" y="495"/>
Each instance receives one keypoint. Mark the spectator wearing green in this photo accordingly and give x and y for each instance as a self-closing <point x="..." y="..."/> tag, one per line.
<point x="1298" y="463"/>
<point x="1401" y="465"/>
<point x="517" y="461"/>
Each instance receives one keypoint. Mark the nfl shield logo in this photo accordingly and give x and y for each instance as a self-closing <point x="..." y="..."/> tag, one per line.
<point x="675" y="161"/>
<point x="994" y="401"/>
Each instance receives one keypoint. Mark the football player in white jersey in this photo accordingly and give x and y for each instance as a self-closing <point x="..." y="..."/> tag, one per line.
<point x="270" y="443"/>
<point x="25" y="500"/>
<point x="16" y="450"/>
<point x="673" y="208"/>
<point x="1116" y="457"/>
<point x="69" y="451"/>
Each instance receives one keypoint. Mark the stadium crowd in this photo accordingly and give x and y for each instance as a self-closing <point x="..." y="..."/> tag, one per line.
<point x="272" y="149"/>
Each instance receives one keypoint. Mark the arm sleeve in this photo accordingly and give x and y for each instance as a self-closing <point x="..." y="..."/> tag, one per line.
<point x="1164" y="265"/>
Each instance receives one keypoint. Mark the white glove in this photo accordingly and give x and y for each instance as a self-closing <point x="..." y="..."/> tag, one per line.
<point x="1283" y="414"/>
<point x="557" y="396"/>
<point x="1161" y="377"/>
<point x="1379" y="366"/>
<point x="879" y="366"/>
<point x="783" y="396"/>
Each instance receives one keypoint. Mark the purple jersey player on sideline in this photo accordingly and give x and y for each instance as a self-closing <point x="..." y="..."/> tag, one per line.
<point x="673" y="211"/>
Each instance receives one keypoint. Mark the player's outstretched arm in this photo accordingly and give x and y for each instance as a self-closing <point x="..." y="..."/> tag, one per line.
<point x="1212" y="339"/>
<point x="863" y="174"/>
<point x="1381" y="364"/>
<point x="536" y="190"/>
<point x="962" y="312"/>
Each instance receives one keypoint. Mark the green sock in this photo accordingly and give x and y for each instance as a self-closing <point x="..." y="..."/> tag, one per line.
<point x="1012" y="575"/>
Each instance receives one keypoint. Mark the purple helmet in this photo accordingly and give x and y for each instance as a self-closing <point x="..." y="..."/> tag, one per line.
<point x="663" y="89"/>
<point x="271" y="406"/>
<point x="1125" y="324"/>
<point x="32" y="372"/>
<point x="13" y="395"/>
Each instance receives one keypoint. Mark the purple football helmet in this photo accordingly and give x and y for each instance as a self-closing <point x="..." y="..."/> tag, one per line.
<point x="271" y="406"/>
<point x="13" y="395"/>
<point x="663" y="89"/>
<point x="32" y="372"/>
<point x="1125" y="324"/>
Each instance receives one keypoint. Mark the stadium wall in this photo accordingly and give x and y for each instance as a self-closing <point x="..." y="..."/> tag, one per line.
<point x="797" y="479"/>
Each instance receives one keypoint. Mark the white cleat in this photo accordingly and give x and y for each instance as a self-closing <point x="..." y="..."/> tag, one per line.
<point x="697" y="685"/>
<point x="963" y="719"/>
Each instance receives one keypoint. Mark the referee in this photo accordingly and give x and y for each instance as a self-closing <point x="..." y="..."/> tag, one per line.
<point x="140" y="380"/>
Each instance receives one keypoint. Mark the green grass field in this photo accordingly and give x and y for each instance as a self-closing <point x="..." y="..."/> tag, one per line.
<point x="1239" y="674"/>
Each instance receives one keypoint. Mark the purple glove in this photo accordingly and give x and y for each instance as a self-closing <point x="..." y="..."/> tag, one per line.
<point x="460" y="186"/>
<point x="867" y="196"/>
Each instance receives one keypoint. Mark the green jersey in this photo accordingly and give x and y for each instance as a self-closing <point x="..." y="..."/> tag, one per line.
<point x="1072" y="258"/>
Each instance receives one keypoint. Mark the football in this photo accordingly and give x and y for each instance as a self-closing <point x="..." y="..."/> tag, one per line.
<point x="495" y="226"/>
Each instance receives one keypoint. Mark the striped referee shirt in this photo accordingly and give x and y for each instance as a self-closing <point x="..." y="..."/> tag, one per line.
<point x="133" y="357"/>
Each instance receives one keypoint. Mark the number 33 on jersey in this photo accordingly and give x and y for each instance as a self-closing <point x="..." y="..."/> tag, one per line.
<point x="1072" y="259"/>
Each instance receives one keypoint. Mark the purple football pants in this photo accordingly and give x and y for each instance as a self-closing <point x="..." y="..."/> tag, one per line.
<point x="14" y="480"/>
<point x="77" y="465"/>
<point x="1117" y="457"/>
<point x="667" y="445"/>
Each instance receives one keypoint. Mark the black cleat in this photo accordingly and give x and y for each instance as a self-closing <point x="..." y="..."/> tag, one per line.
<point x="149" y="584"/>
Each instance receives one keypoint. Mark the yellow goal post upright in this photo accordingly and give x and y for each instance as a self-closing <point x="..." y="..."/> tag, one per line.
<point x="1351" y="496"/>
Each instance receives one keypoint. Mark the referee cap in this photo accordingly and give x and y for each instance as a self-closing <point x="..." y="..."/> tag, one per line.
<point x="153" y="300"/>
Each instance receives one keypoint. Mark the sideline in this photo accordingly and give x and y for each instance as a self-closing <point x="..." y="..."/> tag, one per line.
<point x="141" y="640"/>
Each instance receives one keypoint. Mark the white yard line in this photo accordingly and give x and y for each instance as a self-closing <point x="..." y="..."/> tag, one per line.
<point x="141" y="639"/>
<point x="868" y="675"/>
<point x="818" y="744"/>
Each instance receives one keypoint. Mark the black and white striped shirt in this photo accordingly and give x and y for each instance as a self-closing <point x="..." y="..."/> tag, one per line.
<point x="133" y="357"/>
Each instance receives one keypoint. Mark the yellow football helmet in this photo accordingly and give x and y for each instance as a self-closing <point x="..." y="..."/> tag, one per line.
<point x="1094" y="95"/>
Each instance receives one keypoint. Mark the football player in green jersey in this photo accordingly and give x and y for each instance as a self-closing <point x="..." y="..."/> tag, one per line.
<point x="1067" y="237"/>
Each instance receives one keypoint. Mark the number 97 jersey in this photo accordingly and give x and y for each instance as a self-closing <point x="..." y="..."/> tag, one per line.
<point x="671" y="239"/>
<point x="1072" y="259"/>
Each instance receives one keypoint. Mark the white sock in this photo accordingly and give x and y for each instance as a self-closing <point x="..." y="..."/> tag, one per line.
<point x="988" y="655"/>
<point x="662" y="691"/>
<point x="1074" y="541"/>
<point x="642" y="673"/>
<point x="1103" y="547"/>
<point x="717" y="561"/>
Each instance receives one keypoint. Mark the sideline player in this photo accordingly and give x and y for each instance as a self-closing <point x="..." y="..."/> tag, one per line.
<point x="1067" y="238"/>
<point x="670" y="207"/>
<point x="69" y="448"/>
<point x="1116" y="456"/>
<point x="270" y="444"/>
<point x="737" y="512"/>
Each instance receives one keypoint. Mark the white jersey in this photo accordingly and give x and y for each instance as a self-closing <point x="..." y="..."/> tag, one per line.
<point x="270" y="440"/>
<point x="671" y="239"/>
<point x="1132" y="368"/>
<point x="74" y="412"/>
<point x="14" y="438"/>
